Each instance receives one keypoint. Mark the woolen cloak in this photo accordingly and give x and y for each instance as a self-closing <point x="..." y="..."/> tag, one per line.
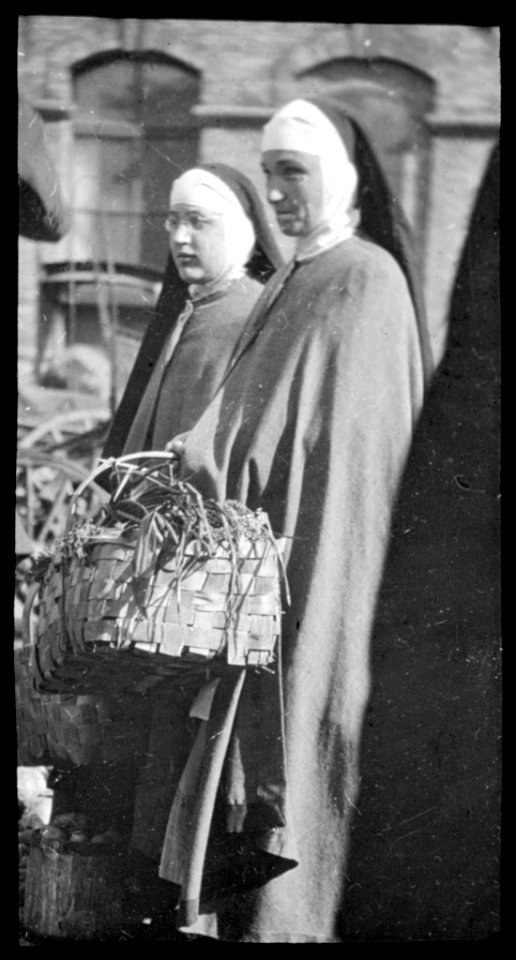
<point x="180" y="389"/>
<point x="313" y="424"/>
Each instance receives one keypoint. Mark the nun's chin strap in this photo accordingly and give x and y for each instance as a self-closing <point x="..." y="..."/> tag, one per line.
<point x="200" y="291"/>
<point x="327" y="235"/>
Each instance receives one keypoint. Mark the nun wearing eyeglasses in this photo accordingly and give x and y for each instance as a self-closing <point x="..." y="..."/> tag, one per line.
<point x="313" y="423"/>
<point x="222" y="251"/>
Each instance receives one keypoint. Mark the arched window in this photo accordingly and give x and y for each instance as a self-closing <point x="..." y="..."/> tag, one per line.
<point x="133" y="133"/>
<point x="392" y="99"/>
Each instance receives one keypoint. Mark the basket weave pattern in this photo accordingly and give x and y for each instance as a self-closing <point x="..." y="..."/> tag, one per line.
<point x="97" y="609"/>
<point x="160" y="580"/>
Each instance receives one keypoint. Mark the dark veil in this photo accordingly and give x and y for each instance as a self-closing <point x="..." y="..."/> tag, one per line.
<point x="381" y="218"/>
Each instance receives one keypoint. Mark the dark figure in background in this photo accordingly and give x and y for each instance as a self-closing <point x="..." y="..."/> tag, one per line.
<point x="42" y="215"/>
<point x="425" y="846"/>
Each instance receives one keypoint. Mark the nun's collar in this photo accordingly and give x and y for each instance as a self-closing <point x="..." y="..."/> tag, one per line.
<point x="213" y="289"/>
<point x="326" y="236"/>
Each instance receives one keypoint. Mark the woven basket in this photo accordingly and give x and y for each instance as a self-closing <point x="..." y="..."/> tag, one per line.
<point x="99" y="624"/>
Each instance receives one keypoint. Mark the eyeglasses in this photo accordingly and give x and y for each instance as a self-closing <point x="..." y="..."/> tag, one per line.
<point x="196" y="221"/>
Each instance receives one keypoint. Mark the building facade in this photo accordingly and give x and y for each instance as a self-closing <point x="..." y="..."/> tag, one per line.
<point x="130" y="103"/>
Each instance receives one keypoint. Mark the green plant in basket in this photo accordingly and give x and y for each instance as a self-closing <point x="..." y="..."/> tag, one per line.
<point x="163" y="516"/>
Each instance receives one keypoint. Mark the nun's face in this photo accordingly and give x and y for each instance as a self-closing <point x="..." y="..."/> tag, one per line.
<point x="198" y="243"/>
<point x="295" y="189"/>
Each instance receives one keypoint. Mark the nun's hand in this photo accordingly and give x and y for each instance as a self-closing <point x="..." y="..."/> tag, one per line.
<point x="176" y="447"/>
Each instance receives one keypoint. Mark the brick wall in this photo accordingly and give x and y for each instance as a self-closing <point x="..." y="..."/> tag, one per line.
<point x="251" y="66"/>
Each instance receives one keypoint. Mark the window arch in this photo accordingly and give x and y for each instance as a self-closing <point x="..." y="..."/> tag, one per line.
<point x="392" y="99"/>
<point x="133" y="133"/>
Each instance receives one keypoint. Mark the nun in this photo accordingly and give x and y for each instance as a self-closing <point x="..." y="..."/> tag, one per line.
<point x="222" y="251"/>
<point x="312" y="423"/>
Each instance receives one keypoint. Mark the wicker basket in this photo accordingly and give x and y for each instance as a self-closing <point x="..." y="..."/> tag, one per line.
<point x="100" y="624"/>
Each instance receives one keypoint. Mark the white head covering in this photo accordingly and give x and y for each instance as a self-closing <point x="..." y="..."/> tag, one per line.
<point x="201" y="188"/>
<point x="301" y="126"/>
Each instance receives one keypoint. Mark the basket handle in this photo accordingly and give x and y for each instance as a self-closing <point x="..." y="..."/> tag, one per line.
<point x="30" y="599"/>
<point x="106" y="464"/>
